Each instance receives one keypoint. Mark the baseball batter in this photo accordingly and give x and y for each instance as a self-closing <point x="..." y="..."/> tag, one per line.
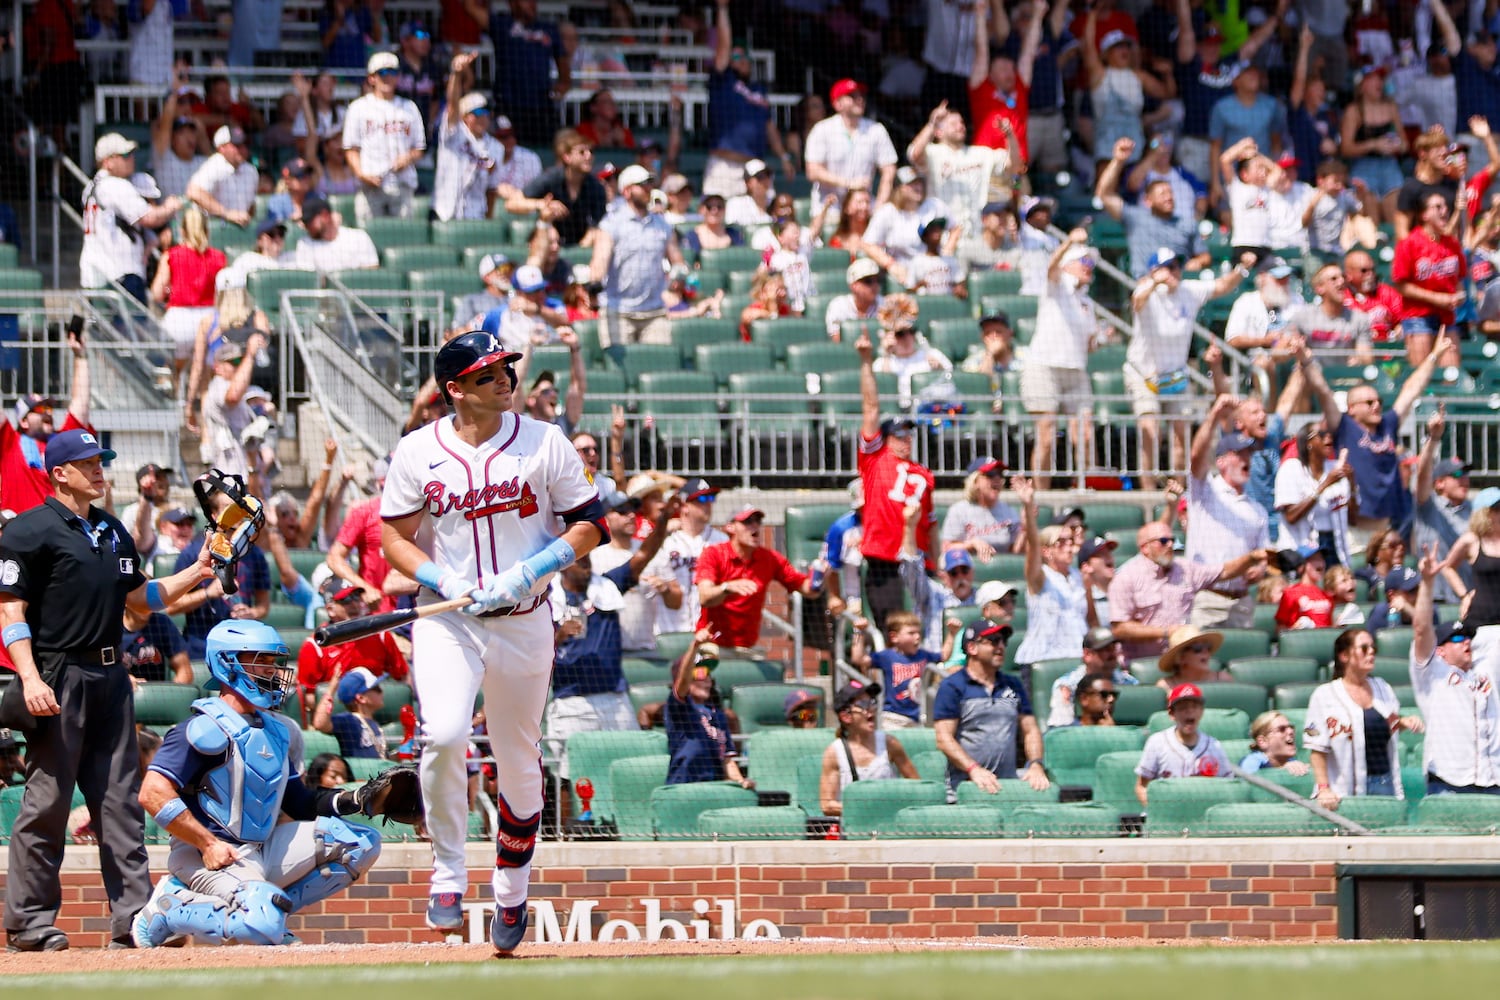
<point x="473" y="505"/>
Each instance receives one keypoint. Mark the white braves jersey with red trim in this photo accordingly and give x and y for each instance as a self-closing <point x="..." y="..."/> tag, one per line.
<point x="487" y="507"/>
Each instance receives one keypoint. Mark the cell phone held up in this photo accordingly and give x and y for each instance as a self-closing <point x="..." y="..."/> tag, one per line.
<point x="75" y="327"/>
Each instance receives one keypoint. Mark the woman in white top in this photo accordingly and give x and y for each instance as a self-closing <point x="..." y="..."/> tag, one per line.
<point x="1352" y="726"/>
<point x="1119" y="88"/>
<point x="1059" y="605"/>
<point x="859" y="753"/>
<point x="1312" y="495"/>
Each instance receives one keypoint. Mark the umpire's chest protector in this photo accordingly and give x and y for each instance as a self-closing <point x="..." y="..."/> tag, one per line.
<point x="243" y="795"/>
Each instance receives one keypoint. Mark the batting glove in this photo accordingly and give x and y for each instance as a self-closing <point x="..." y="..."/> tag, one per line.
<point x="450" y="585"/>
<point x="511" y="587"/>
<point x="484" y="602"/>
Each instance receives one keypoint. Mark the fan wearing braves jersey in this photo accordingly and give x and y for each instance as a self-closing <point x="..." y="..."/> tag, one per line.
<point x="1182" y="751"/>
<point x="892" y="481"/>
<point x="383" y="139"/>
<point x="467" y="177"/>
<point x="678" y="558"/>
<point x="473" y="506"/>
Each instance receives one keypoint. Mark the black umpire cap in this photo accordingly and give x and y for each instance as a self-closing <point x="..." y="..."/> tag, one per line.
<point x="469" y="353"/>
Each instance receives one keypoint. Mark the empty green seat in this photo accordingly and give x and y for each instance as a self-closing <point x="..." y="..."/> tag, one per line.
<point x="410" y="258"/>
<point x="387" y="233"/>
<point x="315" y="743"/>
<point x="982" y="283"/>
<point x="1469" y="813"/>
<point x="369" y="279"/>
<point x="1374" y="812"/>
<point x="821" y="358"/>
<point x="642" y="358"/>
<point x="781" y="334"/>
<point x="1013" y="794"/>
<point x="365" y="768"/>
<point x="1292" y="699"/>
<point x="632" y="780"/>
<point x="1239" y="643"/>
<point x="760" y="706"/>
<point x="1314" y="642"/>
<point x="1115" y="517"/>
<point x="1271" y="671"/>
<point x="931" y="307"/>
<point x="773" y="755"/>
<point x="591" y="754"/>
<point x="953" y="337"/>
<point x="643" y="694"/>
<point x="870" y="807"/>
<point x="281" y="616"/>
<point x="267" y="285"/>
<point x="460" y="233"/>
<point x="1220" y="723"/>
<point x="639" y="671"/>
<point x="752" y="823"/>
<point x="806" y="526"/>
<point x="735" y="672"/>
<point x="688" y="334"/>
<point x="1394" y="670"/>
<point x="1072" y="751"/>
<point x="1395" y="641"/>
<point x="1261" y="819"/>
<point x="1065" y="820"/>
<point x="1044" y="673"/>
<point x="1016" y="306"/>
<point x="1138" y="703"/>
<point x="931" y="765"/>
<point x="397" y="696"/>
<point x="452" y="282"/>
<point x="724" y="360"/>
<point x="730" y="259"/>
<point x="1174" y="806"/>
<point x="693" y="385"/>
<point x="163" y="703"/>
<point x="945" y="821"/>
<point x="1251" y="699"/>
<point x="773" y="403"/>
<point x="675" y="808"/>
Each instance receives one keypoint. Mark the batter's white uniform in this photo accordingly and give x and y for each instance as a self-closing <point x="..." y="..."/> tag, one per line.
<point x="109" y="252"/>
<point x="677" y="560"/>
<point x="486" y="509"/>
<point x="467" y="167"/>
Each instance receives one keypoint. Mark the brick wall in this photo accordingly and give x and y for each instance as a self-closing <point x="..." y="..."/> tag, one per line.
<point x="1125" y="889"/>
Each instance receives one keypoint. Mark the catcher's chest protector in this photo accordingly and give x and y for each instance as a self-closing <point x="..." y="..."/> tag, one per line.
<point x="243" y="795"/>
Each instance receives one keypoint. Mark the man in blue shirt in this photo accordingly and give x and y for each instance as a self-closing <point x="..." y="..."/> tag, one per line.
<point x="1246" y="113"/>
<point x="356" y="730"/>
<point x="978" y="712"/>
<point x="628" y="251"/>
<point x="526" y="49"/>
<point x="741" y="126"/>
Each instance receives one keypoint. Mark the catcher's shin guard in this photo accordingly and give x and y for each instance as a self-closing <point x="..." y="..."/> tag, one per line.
<point x="344" y="852"/>
<point x="515" y="841"/>
<point x="255" y="914"/>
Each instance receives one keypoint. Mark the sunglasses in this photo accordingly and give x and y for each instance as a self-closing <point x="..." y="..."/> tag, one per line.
<point x="592" y="448"/>
<point x="480" y="112"/>
<point x="804" y="714"/>
<point x="420" y="35"/>
<point x="704" y="499"/>
<point x="1165" y="540"/>
<point x="903" y="434"/>
<point x="1200" y="647"/>
<point x="388" y="72"/>
<point x="1106" y="695"/>
<point x="1288" y="728"/>
<point x="872" y="280"/>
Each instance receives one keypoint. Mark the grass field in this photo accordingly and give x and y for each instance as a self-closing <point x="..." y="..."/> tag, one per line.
<point x="1330" y="972"/>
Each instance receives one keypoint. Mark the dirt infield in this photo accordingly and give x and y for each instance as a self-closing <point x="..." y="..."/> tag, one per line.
<point x="93" y="960"/>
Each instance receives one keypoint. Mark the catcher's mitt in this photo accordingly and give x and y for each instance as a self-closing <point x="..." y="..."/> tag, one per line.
<point x="395" y="793"/>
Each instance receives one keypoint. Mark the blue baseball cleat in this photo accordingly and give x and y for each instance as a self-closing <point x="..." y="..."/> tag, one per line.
<point x="445" y="911"/>
<point x="508" y="928"/>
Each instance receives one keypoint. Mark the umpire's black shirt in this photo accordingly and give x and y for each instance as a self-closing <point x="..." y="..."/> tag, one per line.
<point x="74" y="575"/>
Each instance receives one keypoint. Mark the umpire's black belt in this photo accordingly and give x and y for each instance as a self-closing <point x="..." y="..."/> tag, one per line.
<point x="516" y="609"/>
<point x="104" y="656"/>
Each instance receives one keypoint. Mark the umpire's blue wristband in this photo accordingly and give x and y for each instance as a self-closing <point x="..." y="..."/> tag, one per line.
<point x="429" y="575"/>
<point x="169" y="812"/>
<point x="15" y="633"/>
<point x="155" y="599"/>
<point x="553" y="558"/>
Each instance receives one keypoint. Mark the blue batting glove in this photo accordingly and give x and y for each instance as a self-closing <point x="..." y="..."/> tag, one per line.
<point x="513" y="586"/>
<point x="450" y="585"/>
<point x="483" y="602"/>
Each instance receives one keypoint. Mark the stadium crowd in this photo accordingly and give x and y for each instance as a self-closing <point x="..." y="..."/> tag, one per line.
<point x="1290" y="505"/>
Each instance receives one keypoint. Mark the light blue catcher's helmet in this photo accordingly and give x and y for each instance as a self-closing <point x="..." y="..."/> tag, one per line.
<point x="229" y="640"/>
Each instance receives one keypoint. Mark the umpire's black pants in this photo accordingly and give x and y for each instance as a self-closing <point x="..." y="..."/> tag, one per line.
<point x="91" y="743"/>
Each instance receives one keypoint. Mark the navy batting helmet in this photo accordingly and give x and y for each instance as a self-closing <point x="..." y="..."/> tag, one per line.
<point x="469" y="353"/>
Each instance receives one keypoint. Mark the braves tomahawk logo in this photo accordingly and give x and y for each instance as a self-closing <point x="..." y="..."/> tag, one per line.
<point x="492" y="498"/>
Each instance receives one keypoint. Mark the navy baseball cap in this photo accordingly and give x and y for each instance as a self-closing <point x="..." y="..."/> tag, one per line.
<point x="1095" y="545"/>
<point x="893" y="424"/>
<point x="1458" y="631"/>
<point x="984" y="628"/>
<point x="1402" y="579"/>
<point x="355" y="683"/>
<point x="1449" y="467"/>
<point x="1235" y="441"/>
<point x="854" y="691"/>
<point x="954" y="558"/>
<point x="74" y="446"/>
<point x="986" y="465"/>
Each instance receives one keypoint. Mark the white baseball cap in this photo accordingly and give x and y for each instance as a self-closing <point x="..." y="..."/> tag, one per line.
<point x="380" y="61"/>
<point x="229" y="135"/>
<point x="528" y="279"/>
<point x="113" y="144"/>
<point x="860" y="270"/>
<point x="754" y="168"/>
<point x="634" y="174"/>
<point x="490" y="262"/>
<point x="472" y="103"/>
<point x="502" y="124"/>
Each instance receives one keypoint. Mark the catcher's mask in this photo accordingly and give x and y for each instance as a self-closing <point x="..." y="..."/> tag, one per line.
<point x="234" y="528"/>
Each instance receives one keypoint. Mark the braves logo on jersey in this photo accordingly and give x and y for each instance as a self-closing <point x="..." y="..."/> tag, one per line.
<point x="492" y="498"/>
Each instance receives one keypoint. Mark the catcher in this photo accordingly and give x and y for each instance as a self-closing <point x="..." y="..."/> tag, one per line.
<point x="220" y="784"/>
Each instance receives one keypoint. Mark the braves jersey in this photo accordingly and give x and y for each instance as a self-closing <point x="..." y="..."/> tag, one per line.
<point x="890" y="484"/>
<point x="467" y="167"/>
<point x="1166" y="757"/>
<point x="383" y="131"/>
<point x="491" y="506"/>
<point x="677" y="560"/>
<point x="112" y="245"/>
<point x="1435" y="265"/>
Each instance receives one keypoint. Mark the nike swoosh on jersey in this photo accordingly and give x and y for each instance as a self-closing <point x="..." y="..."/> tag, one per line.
<point x="434" y="465"/>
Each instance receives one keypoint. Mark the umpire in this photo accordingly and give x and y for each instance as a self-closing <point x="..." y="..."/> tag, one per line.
<point x="67" y="571"/>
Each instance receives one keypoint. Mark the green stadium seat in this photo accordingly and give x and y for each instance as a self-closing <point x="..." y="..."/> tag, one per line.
<point x="808" y="793"/>
<point x="295" y="637"/>
<point x="1468" y="813"/>
<point x="752" y="823"/>
<point x="266" y="285"/>
<point x="1264" y="618"/>
<point x="1271" y="671"/>
<point x="1260" y="819"/>
<point x="822" y="358"/>
<point x="982" y="283"/>
<point x="775" y="406"/>
<point x="968" y="385"/>
<point x="737" y="672"/>
<point x="1015" y="306"/>
<point x="953" y="337"/>
<point x="974" y="820"/>
<point x="762" y="706"/>
<point x="780" y="334"/>
<point x="1314" y="642"/>
<point x="631" y="781"/>
<point x="10" y="808"/>
<point x="1071" y="820"/>
<point x="1252" y="699"/>
<point x="1394" y="670"/>
<point x="931" y="765"/>
<point x="1292" y="699"/>
<point x="411" y="258"/>
<point x="1110" y="356"/>
<point x="1374" y="812"/>
<point x="850" y="329"/>
<point x="1073" y="751"/>
<point x="590" y="755"/>
<point x="806" y="526"/>
<point x="1120" y="518"/>
<point x="1175" y="806"/>
<point x="1138" y="703"/>
<point x="1394" y="641"/>
<point x="1044" y="673"/>
<point x="643" y="358"/>
<point x="740" y="282"/>
<point x="1110" y="393"/>
<point x="365" y="768"/>
<point x="870" y="807"/>
<point x="639" y="671"/>
<point x="369" y="279"/>
<point x="1013" y="794"/>
<point x="730" y="259"/>
<point x="397" y="697"/>
<point x="1006" y="566"/>
<point x="675" y="808"/>
<point x="688" y="334"/>
<point x="773" y="755"/>
<point x="606" y="388"/>
<point x="285" y="616"/>
<point x="1220" y="723"/>
<point x="315" y="743"/>
<point x="931" y="307"/>
<point x="461" y="233"/>
<point x="163" y="703"/>
<point x="387" y="233"/>
<point x="1114" y="780"/>
<point x="724" y="360"/>
<point x="642" y="695"/>
<point x="452" y="282"/>
<point x="1301" y="784"/>
<point x="470" y="256"/>
<point x="682" y="419"/>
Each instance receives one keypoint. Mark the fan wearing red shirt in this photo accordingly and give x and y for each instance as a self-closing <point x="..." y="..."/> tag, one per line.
<point x="361" y="534"/>
<point x="732" y="578"/>
<point x="892" y="482"/>
<point x="1364" y="292"/>
<point x="379" y="653"/>
<point x="1428" y="271"/>
<point x="1305" y="604"/>
<point x="23" y="448"/>
<point x="1000" y="88"/>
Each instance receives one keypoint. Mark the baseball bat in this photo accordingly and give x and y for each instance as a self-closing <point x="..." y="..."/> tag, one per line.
<point x="358" y="628"/>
